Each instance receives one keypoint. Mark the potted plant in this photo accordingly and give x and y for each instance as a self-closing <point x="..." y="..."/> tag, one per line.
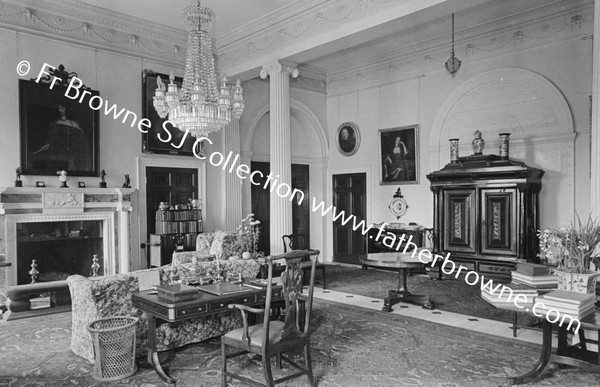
<point x="248" y="233"/>
<point x="572" y="250"/>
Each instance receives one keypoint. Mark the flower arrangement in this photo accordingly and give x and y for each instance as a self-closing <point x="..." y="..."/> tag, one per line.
<point x="248" y="233"/>
<point x="572" y="248"/>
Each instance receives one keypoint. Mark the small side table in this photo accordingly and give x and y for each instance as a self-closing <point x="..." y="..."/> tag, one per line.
<point x="402" y="262"/>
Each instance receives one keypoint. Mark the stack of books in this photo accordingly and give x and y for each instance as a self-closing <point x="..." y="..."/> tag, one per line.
<point x="503" y="297"/>
<point x="576" y="305"/>
<point x="534" y="275"/>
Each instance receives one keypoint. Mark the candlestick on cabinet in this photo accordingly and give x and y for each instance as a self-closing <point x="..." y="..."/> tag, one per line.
<point x="95" y="266"/>
<point x="33" y="272"/>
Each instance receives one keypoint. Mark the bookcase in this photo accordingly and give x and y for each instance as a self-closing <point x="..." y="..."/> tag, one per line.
<point x="176" y="230"/>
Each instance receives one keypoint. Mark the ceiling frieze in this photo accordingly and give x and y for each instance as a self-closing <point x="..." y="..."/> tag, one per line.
<point x="97" y="27"/>
<point x="471" y="46"/>
<point x="314" y="25"/>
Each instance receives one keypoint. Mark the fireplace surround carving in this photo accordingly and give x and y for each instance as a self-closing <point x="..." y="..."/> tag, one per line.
<point x="110" y="206"/>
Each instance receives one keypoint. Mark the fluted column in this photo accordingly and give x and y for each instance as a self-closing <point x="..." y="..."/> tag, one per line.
<point x="232" y="205"/>
<point x="595" y="164"/>
<point x="280" y="150"/>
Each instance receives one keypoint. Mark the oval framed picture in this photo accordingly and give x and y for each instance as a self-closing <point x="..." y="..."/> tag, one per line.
<point x="347" y="138"/>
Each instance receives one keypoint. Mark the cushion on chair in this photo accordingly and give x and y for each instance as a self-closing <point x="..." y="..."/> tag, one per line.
<point x="257" y="333"/>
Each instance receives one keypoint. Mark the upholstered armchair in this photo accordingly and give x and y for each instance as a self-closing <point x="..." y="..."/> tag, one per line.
<point x="97" y="297"/>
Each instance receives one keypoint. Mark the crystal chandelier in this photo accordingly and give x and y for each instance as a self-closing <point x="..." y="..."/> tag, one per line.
<point x="199" y="106"/>
<point x="453" y="63"/>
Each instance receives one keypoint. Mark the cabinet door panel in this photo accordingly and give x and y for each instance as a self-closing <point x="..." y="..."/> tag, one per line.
<point x="459" y="218"/>
<point x="499" y="226"/>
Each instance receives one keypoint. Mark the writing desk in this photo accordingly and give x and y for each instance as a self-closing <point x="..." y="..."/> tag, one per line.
<point x="204" y="304"/>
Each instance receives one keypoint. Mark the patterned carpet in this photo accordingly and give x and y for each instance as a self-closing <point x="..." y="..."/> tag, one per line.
<point x="450" y="294"/>
<point x="351" y="346"/>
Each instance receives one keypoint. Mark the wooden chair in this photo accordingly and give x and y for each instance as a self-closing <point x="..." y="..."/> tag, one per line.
<point x="272" y="338"/>
<point x="298" y="242"/>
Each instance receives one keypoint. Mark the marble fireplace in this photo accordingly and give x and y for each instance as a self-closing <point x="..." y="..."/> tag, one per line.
<point x="62" y="228"/>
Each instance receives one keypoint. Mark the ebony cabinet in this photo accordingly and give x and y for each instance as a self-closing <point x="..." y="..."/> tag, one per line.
<point x="486" y="212"/>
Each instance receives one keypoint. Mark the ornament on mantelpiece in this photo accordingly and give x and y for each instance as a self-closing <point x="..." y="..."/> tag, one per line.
<point x="63" y="178"/>
<point x="103" y="179"/>
<point x="478" y="143"/>
<point x="127" y="183"/>
<point x="18" y="182"/>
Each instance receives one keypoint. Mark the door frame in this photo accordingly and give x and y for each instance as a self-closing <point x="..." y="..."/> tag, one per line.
<point x="168" y="162"/>
<point x="368" y="171"/>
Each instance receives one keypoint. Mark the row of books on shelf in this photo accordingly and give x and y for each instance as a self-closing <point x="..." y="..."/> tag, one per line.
<point x="178" y="215"/>
<point x="178" y="227"/>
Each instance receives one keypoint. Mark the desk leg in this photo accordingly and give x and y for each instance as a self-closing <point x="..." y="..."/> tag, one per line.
<point x="403" y="295"/>
<point x="153" y="353"/>
<point x="544" y="357"/>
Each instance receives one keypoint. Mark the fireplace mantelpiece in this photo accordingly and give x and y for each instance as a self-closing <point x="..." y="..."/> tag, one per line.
<point x="30" y="204"/>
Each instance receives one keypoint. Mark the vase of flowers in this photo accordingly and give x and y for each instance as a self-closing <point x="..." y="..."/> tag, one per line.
<point x="572" y="250"/>
<point x="247" y="236"/>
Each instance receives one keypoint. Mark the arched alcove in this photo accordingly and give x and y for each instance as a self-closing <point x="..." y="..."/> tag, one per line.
<point x="309" y="146"/>
<point x="534" y="111"/>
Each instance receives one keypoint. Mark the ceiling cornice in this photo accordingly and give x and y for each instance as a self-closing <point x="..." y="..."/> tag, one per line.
<point x="85" y="24"/>
<point x="319" y="23"/>
<point x="511" y="34"/>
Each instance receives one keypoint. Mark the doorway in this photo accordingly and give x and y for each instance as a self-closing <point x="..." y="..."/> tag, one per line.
<point x="349" y="195"/>
<point x="171" y="185"/>
<point x="261" y="201"/>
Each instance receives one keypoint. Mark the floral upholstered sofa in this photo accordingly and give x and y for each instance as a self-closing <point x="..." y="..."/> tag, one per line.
<point x="99" y="297"/>
<point x="220" y="245"/>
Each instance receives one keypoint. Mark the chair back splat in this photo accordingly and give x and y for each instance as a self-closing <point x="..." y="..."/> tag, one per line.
<point x="294" y="242"/>
<point x="274" y="337"/>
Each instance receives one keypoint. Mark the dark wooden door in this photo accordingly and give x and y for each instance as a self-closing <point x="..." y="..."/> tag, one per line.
<point x="171" y="185"/>
<point x="261" y="201"/>
<point x="349" y="195"/>
<point x="460" y="217"/>
<point x="498" y="221"/>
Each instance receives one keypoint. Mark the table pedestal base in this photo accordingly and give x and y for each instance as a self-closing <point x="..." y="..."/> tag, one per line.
<point x="395" y="297"/>
<point x="403" y="295"/>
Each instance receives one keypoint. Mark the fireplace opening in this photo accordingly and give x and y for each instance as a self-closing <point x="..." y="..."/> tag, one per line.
<point x="59" y="248"/>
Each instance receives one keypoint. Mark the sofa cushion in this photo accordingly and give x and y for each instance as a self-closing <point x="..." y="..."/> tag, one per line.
<point x="204" y="242"/>
<point x="224" y="245"/>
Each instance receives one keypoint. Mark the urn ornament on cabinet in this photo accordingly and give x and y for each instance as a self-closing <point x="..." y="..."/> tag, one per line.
<point x="478" y="143"/>
<point x="504" y="148"/>
<point x="454" y="150"/>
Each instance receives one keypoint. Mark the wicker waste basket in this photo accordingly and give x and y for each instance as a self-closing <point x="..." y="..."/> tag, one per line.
<point x="114" y="347"/>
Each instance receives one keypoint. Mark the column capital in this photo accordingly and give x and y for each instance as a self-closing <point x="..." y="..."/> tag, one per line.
<point x="279" y="67"/>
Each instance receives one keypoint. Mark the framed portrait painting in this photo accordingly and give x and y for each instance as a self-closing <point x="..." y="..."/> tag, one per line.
<point x="347" y="138"/>
<point x="150" y="141"/>
<point x="398" y="155"/>
<point x="57" y="133"/>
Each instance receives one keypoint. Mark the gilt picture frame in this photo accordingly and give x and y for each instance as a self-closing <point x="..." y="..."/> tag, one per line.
<point x="399" y="155"/>
<point x="347" y="138"/>
<point x="151" y="143"/>
<point x="57" y="133"/>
